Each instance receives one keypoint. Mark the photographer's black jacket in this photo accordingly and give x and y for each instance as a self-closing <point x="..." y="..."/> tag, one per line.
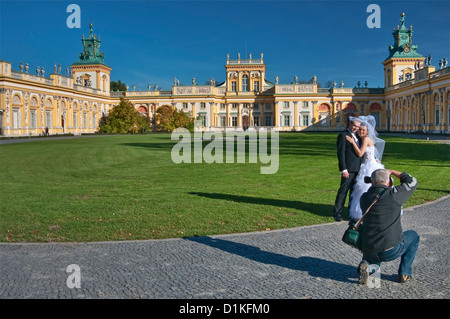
<point x="382" y="227"/>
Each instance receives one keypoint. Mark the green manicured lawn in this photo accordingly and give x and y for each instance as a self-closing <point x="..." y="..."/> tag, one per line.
<point x="127" y="187"/>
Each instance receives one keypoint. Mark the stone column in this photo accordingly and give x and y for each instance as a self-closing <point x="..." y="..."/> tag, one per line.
<point x="275" y="114"/>
<point x="296" y="115"/>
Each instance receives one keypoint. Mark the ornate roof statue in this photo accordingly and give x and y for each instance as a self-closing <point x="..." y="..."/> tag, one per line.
<point x="91" y="50"/>
<point x="403" y="47"/>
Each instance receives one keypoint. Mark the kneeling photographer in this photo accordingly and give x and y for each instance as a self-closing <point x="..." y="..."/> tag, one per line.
<point x="382" y="237"/>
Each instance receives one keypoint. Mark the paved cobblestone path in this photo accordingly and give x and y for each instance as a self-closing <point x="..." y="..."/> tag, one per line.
<point x="303" y="262"/>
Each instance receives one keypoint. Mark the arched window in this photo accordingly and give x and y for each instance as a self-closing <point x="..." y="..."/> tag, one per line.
<point x="16" y="112"/>
<point x="74" y="115"/>
<point x="48" y="113"/>
<point x="324" y="114"/>
<point x="143" y="110"/>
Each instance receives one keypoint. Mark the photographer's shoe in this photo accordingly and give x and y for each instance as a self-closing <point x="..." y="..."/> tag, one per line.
<point x="404" y="279"/>
<point x="363" y="272"/>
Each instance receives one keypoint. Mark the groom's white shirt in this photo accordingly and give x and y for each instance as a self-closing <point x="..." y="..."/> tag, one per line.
<point x="354" y="137"/>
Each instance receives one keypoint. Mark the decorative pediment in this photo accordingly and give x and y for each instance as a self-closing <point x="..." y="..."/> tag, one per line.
<point x="16" y="100"/>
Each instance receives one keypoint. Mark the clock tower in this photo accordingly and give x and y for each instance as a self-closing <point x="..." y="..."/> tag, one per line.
<point x="91" y="70"/>
<point x="403" y="57"/>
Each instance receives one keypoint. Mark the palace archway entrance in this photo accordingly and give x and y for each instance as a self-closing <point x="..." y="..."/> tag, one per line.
<point x="245" y="121"/>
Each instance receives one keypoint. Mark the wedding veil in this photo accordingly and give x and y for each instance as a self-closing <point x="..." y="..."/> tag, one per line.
<point x="370" y="122"/>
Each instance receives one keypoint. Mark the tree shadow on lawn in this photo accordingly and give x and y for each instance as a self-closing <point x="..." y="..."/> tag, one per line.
<point x="313" y="208"/>
<point x="161" y="145"/>
<point x="316" y="267"/>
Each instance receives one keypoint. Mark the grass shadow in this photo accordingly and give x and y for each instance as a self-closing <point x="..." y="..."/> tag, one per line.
<point x="434" y="190"/>
<point x="313" y="208"/>
<point x="150" y="145"/>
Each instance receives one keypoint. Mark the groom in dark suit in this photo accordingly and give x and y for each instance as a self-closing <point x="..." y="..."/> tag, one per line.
<point x="349" y="164"/>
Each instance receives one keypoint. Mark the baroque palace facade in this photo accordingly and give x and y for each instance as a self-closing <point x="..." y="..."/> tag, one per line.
<point x="416" y="96"/>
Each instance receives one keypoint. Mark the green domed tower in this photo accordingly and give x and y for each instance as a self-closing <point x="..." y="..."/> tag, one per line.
<point x="91" y="70"/>
<point x="403" y="57"/>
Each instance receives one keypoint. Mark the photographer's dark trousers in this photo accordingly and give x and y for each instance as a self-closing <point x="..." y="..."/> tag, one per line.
<point x="346" y="186"/>
<point x="406" y="251"/>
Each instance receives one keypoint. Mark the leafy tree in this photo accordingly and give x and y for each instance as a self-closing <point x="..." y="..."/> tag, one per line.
<point x="169" y="118"/>
<point x="117" y="86"/>
<point x="123" y="118"/>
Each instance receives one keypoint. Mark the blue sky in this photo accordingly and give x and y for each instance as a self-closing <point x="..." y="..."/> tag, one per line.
<point x="151" y="42"/>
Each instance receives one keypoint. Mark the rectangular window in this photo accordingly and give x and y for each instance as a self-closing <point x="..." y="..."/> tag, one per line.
<point x="84" y="120"/>
<point x="234" y="106"/>
<point x="256" y="86"/>
<point x="48" y="119"/>
<point x="202" y="105"/>
<point x="33" y="119"/>
<point x="222" y="121"/>
<point x="222" y="106"/>
<point x="234" y="121"/>
<point x="268" y="121"/>
<point x="256" y="121"/>
<point x="287" y="121"/>
<point x="268" y="106"/>
<point x="436" y="116"/>
<point x="16" y="118"/>
<point x="286" y="104"/>
<point x="245" y="83"/>
<point x="377" y="116"/>
<point x="305" y="120"/>
<point x="256" y="106"/>
<point x="203" y="119"/>
<point x="185" y="105"/>
<point x="233" y="86"/>
<point x="305" y="103"/>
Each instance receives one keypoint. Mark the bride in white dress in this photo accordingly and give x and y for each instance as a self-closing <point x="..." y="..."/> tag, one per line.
<point x="371" y="149"/>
